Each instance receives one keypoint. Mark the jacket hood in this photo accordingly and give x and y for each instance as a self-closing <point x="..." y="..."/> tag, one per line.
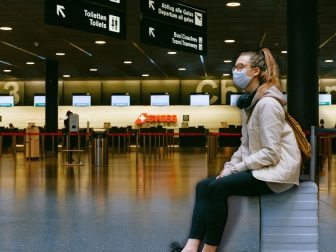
<point x="271" y="92"/>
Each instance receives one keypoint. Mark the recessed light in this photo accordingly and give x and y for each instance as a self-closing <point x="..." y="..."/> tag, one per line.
<point x="30" y="63"/>
<point x="284" y="51"/>
<point x="66" y="75"/>
<point x="227" y="61"/>
<point x="60" y="54"/>
<point x="229" y="41"/>
<point x="145" y="75"/>
<point x="329" y="61"/>
<point x="233" y="4"/>
<point x="171" y="52"/>
<point x="6" y="28"/>
<point x="226" y="74"/>
<point x="128" y="62"/>
<point x="182" y="68"/>
<point x="100" y="42"/>
<point x="93" y="69"/>
<point x="7" y="70"/>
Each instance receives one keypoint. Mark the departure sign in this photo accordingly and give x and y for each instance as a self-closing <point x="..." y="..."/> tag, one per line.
<point x="174" y="24"/>
<point x="104" y="18"/>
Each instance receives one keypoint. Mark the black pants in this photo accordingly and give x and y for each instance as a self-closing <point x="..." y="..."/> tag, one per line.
<point x="210" y="210"/>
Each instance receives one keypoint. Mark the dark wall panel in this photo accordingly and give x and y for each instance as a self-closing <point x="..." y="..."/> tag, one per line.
<point x="92" y="87"/>
<point x="172" y="87"/>
<point x="132" y="87"/>
<point x="15" y="88"/>
<point x="191" y="86"/>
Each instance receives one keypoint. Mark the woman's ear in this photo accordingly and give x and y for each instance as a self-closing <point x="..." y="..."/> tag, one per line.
<point x="256" y="71"/>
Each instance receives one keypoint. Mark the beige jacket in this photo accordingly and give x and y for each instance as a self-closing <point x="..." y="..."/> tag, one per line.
<point x="268" y="147"/>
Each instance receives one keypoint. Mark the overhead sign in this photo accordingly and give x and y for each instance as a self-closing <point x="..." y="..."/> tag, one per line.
<point x="176" y="37"/>
<point x="174" y="24"/>
<point x="86" y="16"/>
<point x="118" y="4"/>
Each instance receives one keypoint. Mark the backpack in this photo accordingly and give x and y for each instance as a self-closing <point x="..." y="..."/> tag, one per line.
<point x="300" y="136"/>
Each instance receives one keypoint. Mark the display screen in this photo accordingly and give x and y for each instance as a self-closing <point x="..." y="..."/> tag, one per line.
<point x="6" y="101"/>
<point x="324" y="99"/>
<point x="159" y="100"/>
<point x="39" y="100"/>
<point x="234" y="98"/>
<point x="199" y="100"/>
<point x="81" y="100"/>
<point x="120" y="100"/>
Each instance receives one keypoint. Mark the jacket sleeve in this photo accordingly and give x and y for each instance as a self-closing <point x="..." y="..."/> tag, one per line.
<point x="271" y="117"/>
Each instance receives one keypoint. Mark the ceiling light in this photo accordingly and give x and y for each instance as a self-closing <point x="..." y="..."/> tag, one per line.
<point x="284" y="51"/>
<point x="7" y="70"/>
<point x="226" y="74"/>
<point x="145" y="75"/>
<point x="6" y="28"/>
<point x="182" y="68"/>
<point x="233" y="4"/>
<point x="171" y="52"/>
<point x="227" y="61"/>
<point x="329" y="61"/>
<point x="60" y="54"/>
<point x="66" y="75"/>
<point x="100" y="42"/>
<point x="30" y="63"/>
<point x="229" y="41"/>
<point x="128" y="62"/>
<point x="93" y="69"/>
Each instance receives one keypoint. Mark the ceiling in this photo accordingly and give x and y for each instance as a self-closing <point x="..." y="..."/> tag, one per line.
<point x="255" y="23"/>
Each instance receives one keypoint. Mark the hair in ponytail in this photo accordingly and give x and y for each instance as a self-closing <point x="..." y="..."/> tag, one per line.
<point x="269" y="70"/>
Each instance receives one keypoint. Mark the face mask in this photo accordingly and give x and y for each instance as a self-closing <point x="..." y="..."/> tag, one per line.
<point x="240" y="79"/>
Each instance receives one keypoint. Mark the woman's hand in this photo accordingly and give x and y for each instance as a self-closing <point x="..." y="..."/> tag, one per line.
<point x="225" y="172"/>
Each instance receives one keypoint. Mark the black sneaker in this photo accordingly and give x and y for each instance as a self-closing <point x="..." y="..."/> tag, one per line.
<point x="175" y="246"/>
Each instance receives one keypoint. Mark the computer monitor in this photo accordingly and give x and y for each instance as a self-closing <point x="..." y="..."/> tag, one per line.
<point x="199" y="99"/>
<point x="324" y="99"/>
<point x="159" y="99"/>
<point x="234" y="98"/>
<point x="120" y="100"/>
<point x="39" y="100"/>
<point x="6" y="101"/>
<point x="81" y="100"/>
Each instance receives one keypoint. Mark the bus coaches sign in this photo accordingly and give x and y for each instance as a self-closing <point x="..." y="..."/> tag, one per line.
<point x="104" y="18"/>
<point x="174" y="24"/>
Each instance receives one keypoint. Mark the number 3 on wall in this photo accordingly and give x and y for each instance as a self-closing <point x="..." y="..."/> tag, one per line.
<point x="13" y="88"/>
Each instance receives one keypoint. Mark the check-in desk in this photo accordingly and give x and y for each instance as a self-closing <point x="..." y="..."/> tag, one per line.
<point x="232" y="139"/>
<point x="119" y="140"/>
<point x="153" y="139"/>
<point x="192" y="137"/>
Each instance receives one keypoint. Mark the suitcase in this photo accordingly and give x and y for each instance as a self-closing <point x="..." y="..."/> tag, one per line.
<point x="289" y="220"/>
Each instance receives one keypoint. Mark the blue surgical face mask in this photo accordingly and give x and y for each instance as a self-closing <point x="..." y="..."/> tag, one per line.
<point x="240" y="79"/>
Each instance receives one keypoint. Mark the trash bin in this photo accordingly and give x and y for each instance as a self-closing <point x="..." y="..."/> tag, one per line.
<point x="99" y="152"/>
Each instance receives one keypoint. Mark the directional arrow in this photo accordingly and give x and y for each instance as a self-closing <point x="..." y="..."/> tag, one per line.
<point x="151" y="4"/>
<point x="151" y="32"/>
<point x="59" y="10"/>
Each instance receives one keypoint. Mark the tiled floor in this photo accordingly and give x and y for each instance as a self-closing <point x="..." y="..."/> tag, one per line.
<point x="45" y="206"/>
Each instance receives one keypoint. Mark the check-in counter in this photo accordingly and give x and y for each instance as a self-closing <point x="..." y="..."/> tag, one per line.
<point x="192" y="137"/>
<point x="231" y="137"/>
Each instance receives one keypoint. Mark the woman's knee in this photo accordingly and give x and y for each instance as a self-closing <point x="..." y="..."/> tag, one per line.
<point x="203" y="185"/>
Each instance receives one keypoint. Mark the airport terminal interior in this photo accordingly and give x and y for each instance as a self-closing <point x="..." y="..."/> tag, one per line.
<point x="111" y="111"/>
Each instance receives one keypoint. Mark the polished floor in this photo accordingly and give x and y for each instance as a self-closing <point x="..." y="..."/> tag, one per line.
<point x="47" y="206"/>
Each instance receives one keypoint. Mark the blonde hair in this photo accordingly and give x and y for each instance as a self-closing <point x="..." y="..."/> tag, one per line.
<point x="269" y="70"/>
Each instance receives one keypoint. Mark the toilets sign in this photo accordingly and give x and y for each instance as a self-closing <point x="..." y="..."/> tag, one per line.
<point x="107" y="17"/>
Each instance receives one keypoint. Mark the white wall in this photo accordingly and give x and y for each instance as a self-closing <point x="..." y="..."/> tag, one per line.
<point x="210" y="117"/>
